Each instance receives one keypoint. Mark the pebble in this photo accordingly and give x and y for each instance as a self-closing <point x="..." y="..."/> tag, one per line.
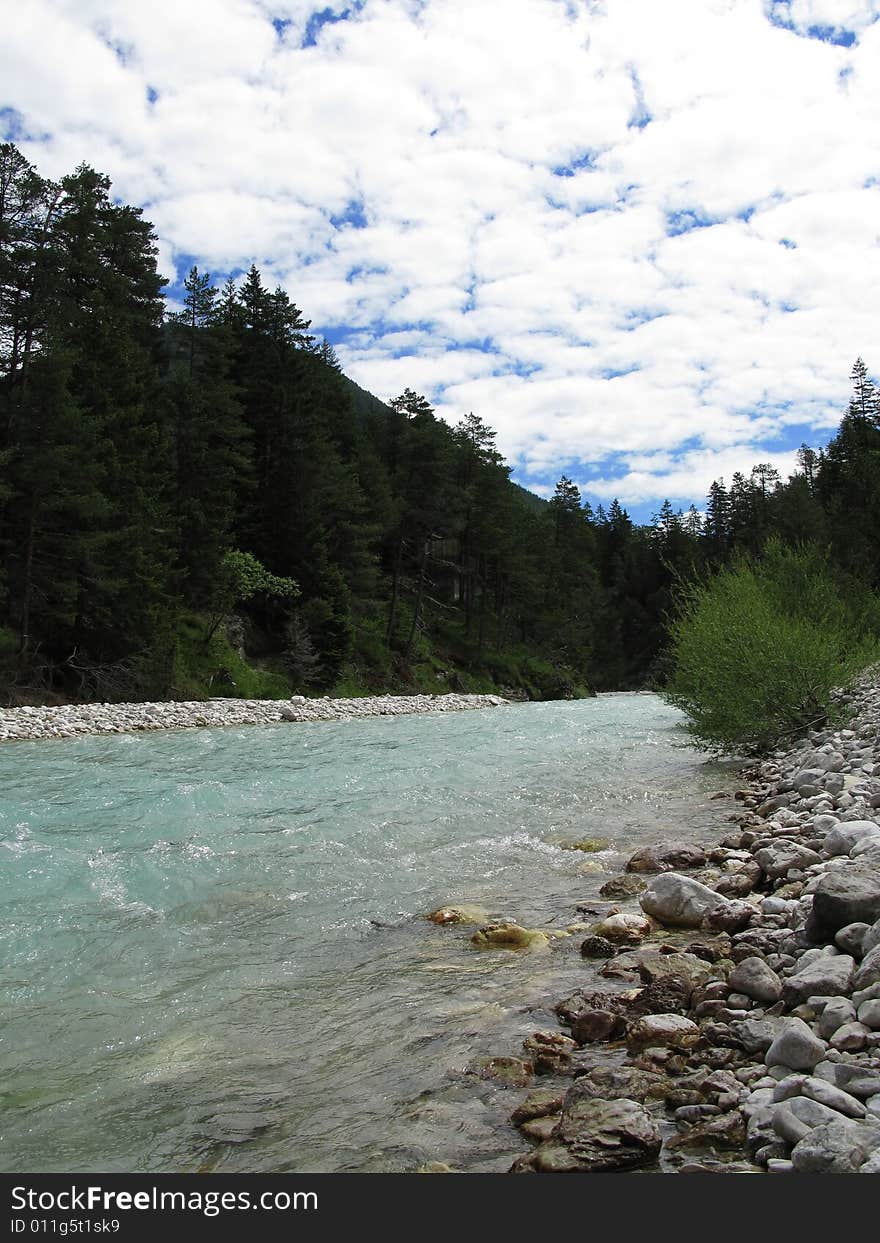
<point x="74" y="720"/>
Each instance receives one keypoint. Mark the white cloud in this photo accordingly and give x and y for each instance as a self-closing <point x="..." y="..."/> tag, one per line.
<point x="462" y="185"/>
<point x="685" y="476"/>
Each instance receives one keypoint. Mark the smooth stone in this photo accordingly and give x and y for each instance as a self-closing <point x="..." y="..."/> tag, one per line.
<point x="669" y="1031"/>
<point x="832" y="1148"/>
<point x="869" y="1014"/>
<point x="757" y="1035"/>
<point x="837" y="1011"/>
<point x="791" y="1085"/>
<point x="794" y="1119"/>
<point x="827" y="975"/>
<point x="732" y="916"/>
<point x="778" y="1165"/>
<point x="850" y="1037"/>
<point x="826" y="1094"/>
<point x="848" y="894"/>
<point x="783" y="856"/>
<point x="753" y="977"/>
<point x="796" y="1046"/>
<point x="865" y="994"/>
<point x="851" y="939"/>
<point x="869" y="970"/>
<point x="845" y="835"/>
<point x="679" y="901"/>
<point x="596" y="1025"/>
<point x="623" y="928"/>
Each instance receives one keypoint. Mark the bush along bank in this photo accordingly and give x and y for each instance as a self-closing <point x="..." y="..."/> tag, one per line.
<point x="738" y="1023"/>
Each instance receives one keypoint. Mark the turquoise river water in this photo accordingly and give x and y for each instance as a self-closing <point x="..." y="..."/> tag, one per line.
<point x="210" y="956"/>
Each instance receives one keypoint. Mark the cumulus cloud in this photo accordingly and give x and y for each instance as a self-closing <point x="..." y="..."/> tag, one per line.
<point x="640" y="240"/>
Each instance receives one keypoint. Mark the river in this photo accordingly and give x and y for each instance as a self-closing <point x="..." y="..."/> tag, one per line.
<point x="211" y="956"/>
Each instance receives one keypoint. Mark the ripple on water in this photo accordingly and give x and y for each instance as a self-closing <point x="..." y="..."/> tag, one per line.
<point x="211" y="955"/>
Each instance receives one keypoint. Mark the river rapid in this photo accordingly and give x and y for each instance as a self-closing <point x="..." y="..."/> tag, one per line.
<point x="211" y="955"/>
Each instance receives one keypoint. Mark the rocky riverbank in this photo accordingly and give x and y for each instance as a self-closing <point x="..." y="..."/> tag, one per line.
<point x="73" y="720"/>
<point x="737" y="1026"/>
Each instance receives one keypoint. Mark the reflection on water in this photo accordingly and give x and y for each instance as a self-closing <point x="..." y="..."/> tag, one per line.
<point x="209" y="953"/>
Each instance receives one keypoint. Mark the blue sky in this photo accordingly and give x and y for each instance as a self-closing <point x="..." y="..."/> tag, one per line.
<point x="641" y="240"/>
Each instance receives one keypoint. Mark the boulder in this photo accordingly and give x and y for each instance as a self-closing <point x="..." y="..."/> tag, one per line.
<point x="827" y="1094"/>
<point x="667" y="857"/>
<point x="869" y="1014"/>
<point x="851" y="939"/>
<point x="871" y="937"/>
<point x="595" y="1134"/>
<point x="829" y="975"/>
<point x="669" y="995"/>
<point x="832" y="1148"/>
<point x="732" y="916"/>
<point x="848" y="894"/>
<point x="688" y="969"/>
<point x="796" y="1047"/>
<point x="736" y="885"/>
<point x="835" y="1013"/>
<point x="596" y="1025"/>
<point x="855" y="1080"/>
<point x="626" y="929"/>
<point x="679" y="901"/>
<point x="753" y="977"/>
<point x="850" y="1038"/>
<point x="757" y="1035"/>
<point x="844" y="836"/>
<point x="725" y="1132"/>
<point x="869" y="970"/>
<point x="780" y="857"/>
<point x="667" y="1031"/>
<point x="623" y="886"/>
<point x="794" y="1119"/>
<point x="627" y="1082"/>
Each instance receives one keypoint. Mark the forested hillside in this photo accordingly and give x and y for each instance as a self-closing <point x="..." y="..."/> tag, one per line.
<point x="201" y="503"/>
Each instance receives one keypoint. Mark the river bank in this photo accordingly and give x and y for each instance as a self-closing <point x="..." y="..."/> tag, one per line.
<point x="737" y="1028"/>
<point x="74" y="720"/>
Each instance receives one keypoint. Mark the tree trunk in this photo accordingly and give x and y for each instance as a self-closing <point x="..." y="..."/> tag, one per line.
<point x="27" y="586"/>
<point x="481" y="637"/>
<point x="395" y="591"/>
<point x="420" y="595"/>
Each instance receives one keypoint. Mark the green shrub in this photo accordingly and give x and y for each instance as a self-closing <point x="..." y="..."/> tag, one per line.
<point x="214" y="668"/>
<point x="758" y="649"/>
